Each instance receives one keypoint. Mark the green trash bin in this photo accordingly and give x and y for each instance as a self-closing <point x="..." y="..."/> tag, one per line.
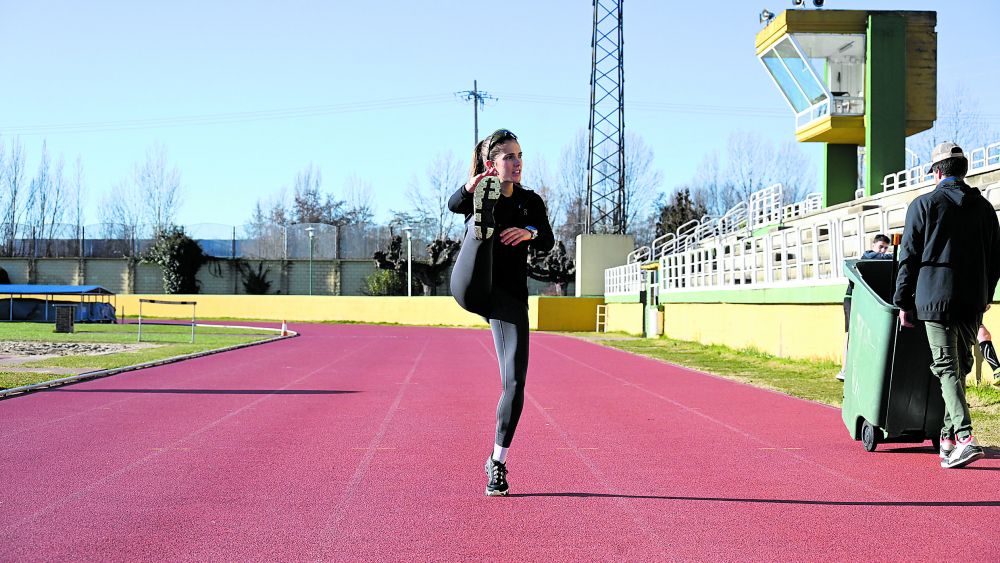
<point x="890" y="394"/>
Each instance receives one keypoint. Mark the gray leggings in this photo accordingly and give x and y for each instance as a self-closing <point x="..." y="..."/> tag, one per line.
<point x="472" y="286"/>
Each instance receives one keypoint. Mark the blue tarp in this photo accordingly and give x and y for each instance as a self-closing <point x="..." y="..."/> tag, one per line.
<point x="15" y="307"/>
<point x="32" y="289"/>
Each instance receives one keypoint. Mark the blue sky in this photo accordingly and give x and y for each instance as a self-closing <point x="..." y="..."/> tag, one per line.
<point x="245" y="94"/>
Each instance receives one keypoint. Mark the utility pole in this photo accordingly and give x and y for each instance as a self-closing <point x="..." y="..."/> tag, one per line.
<point x="606" y="159"/>
<point x="478" y="99"/>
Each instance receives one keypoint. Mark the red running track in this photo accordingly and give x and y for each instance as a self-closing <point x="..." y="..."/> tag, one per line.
<point x="367" y="443"/>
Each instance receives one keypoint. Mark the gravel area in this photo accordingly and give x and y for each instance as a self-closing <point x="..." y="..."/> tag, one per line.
<point x="29" y="348"/>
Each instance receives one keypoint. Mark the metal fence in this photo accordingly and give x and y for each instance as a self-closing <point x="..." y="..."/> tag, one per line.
<point x="259" y="242"/>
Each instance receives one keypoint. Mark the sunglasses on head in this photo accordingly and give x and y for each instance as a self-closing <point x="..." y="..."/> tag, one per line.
<point x="499" y="136"/>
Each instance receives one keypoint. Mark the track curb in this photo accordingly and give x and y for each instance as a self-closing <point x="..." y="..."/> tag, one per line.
<point x="26" y="389"/>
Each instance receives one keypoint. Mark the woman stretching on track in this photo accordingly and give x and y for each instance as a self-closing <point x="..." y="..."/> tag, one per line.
<point x="490" y="277"/>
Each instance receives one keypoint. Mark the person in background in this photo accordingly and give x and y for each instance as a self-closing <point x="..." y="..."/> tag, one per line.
<point x="949" y="265"/>
<point x="989" y="352"/>
<point x="878" y="251"/>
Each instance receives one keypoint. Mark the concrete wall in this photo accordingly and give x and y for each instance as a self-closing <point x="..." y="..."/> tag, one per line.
<point x="546" y="313"/>
<point x="222" y="277"/>
<point x="596" y="253"/>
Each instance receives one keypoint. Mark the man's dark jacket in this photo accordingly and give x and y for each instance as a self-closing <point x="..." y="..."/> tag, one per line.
<point x="949" y="261"/>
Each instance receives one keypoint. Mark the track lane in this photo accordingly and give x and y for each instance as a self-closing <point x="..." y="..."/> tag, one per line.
<point x="368" y="443"/>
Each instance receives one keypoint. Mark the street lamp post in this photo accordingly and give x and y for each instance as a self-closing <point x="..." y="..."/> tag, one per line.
<point x="409" y="263"/>
<point x="310" y="230"/>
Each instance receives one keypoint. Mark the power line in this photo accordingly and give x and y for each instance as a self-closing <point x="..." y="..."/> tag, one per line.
<point x="395" y="103"/>
<point x="225" y="118"/>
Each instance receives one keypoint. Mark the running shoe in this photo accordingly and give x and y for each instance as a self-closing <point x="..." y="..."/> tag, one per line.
<point x="947" y="446"/>
<point x="966" y="451"/>
<point x="497" y="473"/>
<point x="484" y="198"/>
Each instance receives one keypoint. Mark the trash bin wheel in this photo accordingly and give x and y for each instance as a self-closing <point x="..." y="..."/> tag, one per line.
<point x="869" y="436"/>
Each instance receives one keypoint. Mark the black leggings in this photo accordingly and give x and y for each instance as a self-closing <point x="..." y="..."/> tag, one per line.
<point x="472" y="286"/>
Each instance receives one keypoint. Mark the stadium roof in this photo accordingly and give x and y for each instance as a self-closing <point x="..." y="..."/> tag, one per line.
<point x="32" y="289"/>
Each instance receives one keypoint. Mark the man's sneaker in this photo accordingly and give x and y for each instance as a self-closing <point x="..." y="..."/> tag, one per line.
<point x="840" y="375"/>
<point x="484" y="197"/>
<point x="965" y="452"/>
<point x="497" y="473"/>
<point x="947" y="446"/>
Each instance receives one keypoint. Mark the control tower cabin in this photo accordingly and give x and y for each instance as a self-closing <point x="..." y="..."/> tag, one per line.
<point x="854" y="78"/>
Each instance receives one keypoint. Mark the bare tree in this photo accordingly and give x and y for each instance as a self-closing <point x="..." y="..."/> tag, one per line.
<point x="573" y="188"/>
<point x="13" y="181"/>
<point x="539" y="179"/>
<point x="310" y="204"/>
<point x="359" y="198"/>
<point x="121" y="210"/>
<point x="278" y="209"/>
<point x="159" y="186"/>
<point x="960" y="120"/>
<point x="642" y="185"/>
<point x="430" y="200"/>
<point x="78" y="194"/>
<point x="752" y="163"/>
<point x="708" y="189"/>
<point x="45" y="208"/>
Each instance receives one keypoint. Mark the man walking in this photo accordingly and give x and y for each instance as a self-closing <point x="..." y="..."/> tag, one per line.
<point x="949" y="264"/>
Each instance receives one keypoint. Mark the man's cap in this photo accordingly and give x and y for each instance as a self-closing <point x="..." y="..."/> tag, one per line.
<point x="946" y="150"/>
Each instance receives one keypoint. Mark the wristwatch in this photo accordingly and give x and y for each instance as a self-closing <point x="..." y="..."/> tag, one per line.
<point x="533" y="231"/>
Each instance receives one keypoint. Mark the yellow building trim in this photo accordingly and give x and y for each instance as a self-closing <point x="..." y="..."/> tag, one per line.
<point x="811" y="21"/>
<point x="921" y="71"/>
<point x="839" y="130"/>
<point x="545" y="313"/>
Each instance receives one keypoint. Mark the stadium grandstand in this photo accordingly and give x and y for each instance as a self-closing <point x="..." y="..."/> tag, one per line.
<point x="766" y="242"/>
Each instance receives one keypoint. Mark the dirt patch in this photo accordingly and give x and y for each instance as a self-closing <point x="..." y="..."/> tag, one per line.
<point x="28" y="348"/>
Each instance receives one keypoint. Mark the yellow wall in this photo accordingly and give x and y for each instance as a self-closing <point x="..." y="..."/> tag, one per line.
<point x="546" y="313"/>
<point x="577" y="314"/>
<point x="625" y="317"/>
<point x="795" y="331"/>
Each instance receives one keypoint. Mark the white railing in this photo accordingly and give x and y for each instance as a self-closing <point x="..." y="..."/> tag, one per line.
<point x="718" y="252"/>
<point x="812" y="202"/>
<point x="842" y="105"/>
<point x="918" y="176"/>
<point x="639" y="255"/>
<point x="623" y="280"/>
<point x="980" y="160"/>
<point x="807" y="253"/>
<point x="984" y="157"/>
<point x="765" y="206"/>
<point x="664" y="244"/>
<point x="992" y="194"/>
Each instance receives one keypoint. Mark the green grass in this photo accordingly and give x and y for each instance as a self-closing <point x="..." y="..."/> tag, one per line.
<point x="9" y="379"/>
<point x="813" y="380"/>
<point x="167" y="341"/>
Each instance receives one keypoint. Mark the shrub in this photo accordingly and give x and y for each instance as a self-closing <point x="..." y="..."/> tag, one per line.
<point x="385" y="282"/>
<point x="179" y="256"/>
